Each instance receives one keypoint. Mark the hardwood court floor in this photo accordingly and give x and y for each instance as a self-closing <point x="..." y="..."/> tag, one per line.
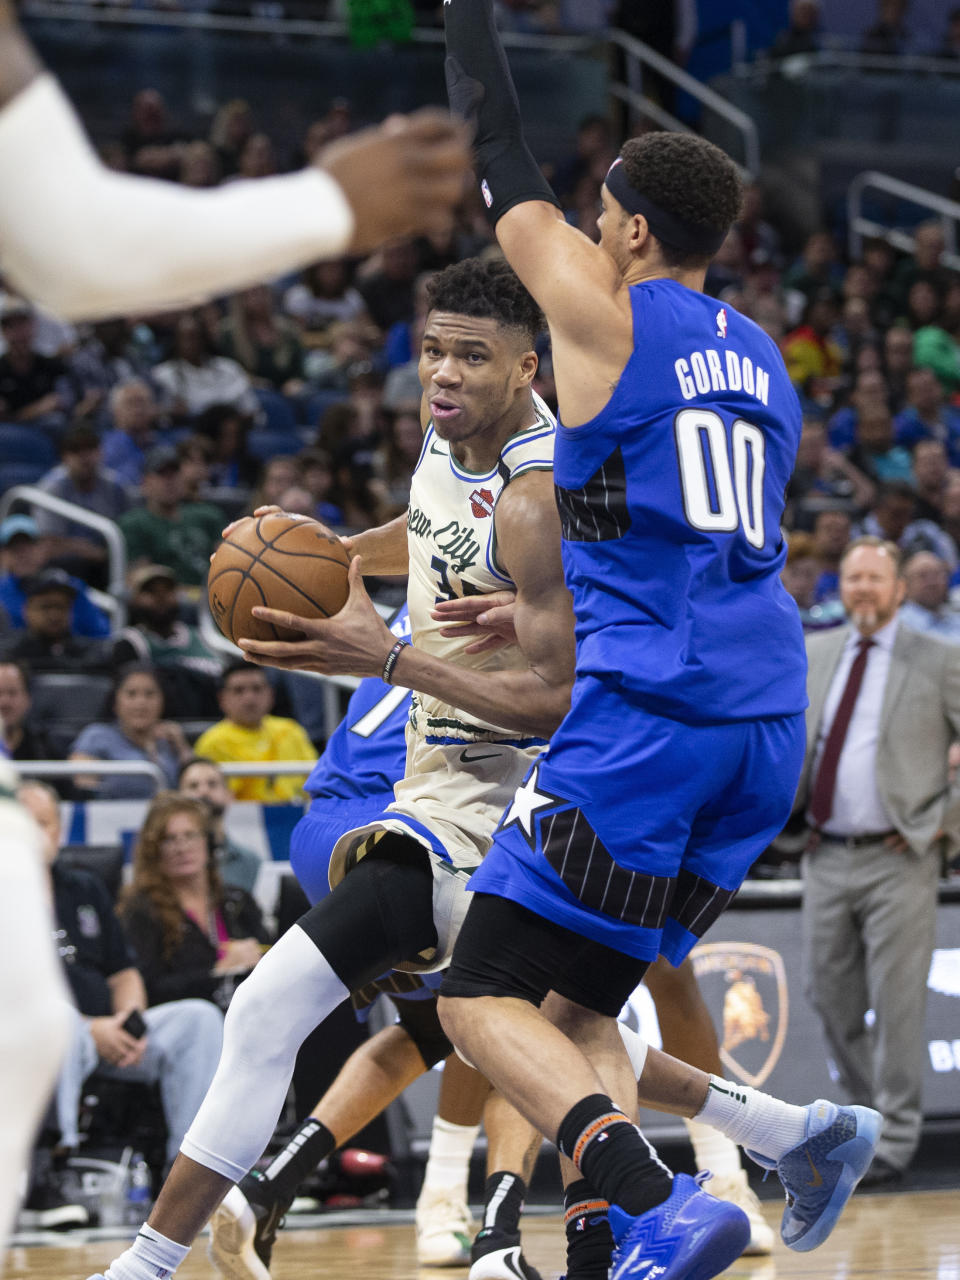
<point x="906" y="1236"/>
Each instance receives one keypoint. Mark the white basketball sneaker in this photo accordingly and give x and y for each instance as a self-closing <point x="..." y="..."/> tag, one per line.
<point x="735" y="1188"/>
<point x="444" y="1229"/>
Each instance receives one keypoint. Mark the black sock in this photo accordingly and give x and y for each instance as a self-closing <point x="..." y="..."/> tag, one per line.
<point x="613" y="1155"/>
<point x="311" y="1143"/>
<point x="589" y="1239"/>
<point x="503" y="1197"/>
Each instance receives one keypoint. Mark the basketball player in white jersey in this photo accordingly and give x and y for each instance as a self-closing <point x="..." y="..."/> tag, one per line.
<point x="86" y="242"/>
<point x="482" y="514"/>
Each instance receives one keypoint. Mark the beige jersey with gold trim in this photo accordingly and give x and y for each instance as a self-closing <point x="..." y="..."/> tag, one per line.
<point x="452" y="548"/>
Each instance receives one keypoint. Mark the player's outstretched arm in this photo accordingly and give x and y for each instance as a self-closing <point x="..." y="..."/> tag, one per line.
<point x="87" y="242"/>
<point x="574" y="282"/>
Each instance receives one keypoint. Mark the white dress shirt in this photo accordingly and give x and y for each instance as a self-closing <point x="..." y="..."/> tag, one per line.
<point x="857" y="807"/>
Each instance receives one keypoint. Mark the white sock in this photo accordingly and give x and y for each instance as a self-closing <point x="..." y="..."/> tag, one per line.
<point x="150" y="1257"/>
<point x="712" y="1150"/>
<point x="753" y="1119"/>
<point x="448" y="1164"/>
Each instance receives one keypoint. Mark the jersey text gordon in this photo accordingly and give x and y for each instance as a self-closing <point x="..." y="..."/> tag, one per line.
<point x="703" y="372"/>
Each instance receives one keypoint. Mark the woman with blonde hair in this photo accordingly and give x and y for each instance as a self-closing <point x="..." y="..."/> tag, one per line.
<point x="193" y="935"/>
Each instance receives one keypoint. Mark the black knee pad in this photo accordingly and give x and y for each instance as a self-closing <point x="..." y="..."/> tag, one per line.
<point x="420" y="1021"/>
<point x="380" y="914"/>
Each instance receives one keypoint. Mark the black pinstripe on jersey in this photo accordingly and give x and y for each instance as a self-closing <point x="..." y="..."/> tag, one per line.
<point x="597" y="512"/>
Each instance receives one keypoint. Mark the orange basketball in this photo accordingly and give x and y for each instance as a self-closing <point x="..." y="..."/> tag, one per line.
<point x="280" y="562"/>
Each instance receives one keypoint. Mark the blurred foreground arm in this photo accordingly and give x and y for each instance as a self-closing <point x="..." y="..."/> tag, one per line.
<point x="87" y="242"/>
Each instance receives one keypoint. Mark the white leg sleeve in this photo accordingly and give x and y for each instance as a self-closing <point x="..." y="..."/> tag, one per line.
<point x="35" y="1011"/>
<point x="289" y="993"/>
<point x="636" y="1048"/>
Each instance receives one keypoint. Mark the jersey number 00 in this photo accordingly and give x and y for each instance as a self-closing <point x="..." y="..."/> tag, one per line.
<point x="720" y="497"/>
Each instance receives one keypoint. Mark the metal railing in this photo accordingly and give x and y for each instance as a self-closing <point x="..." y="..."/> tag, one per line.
<point x="840" y="59"/>
<point x="640" y="56"/>
<point x="96" y="768"/>
<point x="113" y="600"/>
<point x="860" y="226"/>
<point x="264" y="768"/>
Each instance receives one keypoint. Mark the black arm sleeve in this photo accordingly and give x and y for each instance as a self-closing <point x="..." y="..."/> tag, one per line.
<point x="481" y="90"/>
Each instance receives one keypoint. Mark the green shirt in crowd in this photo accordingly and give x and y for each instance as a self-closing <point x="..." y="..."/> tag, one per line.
<point x="183" y="543"/>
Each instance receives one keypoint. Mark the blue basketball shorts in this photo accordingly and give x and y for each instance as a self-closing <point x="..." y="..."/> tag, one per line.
<point x="313" y="838"/>
<point x="636" y="830"/>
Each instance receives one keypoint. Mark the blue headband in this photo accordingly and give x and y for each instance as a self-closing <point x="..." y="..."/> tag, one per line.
<point x="671" y="230"/>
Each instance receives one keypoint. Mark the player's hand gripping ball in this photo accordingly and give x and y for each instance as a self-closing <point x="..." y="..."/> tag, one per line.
<point x="280" y="561"/>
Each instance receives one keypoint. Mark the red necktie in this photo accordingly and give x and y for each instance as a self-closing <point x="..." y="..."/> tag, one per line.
<point x="821" y="800"/>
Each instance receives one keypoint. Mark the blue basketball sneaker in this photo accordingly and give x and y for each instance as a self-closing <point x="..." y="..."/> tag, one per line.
<point x="691" y="1236"/>
<point x="820" y="1174"/>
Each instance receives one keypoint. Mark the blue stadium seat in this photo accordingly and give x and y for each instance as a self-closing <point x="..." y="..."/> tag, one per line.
<point x="26" y="454"/>
<point x="278" y="411"/>
<point x="318" y="403"/>
<point x="263" y="444"/>
<point x="20" y="473"/>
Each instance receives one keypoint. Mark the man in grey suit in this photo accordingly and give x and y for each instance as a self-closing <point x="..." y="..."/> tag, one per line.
<point x="876" y="794"/>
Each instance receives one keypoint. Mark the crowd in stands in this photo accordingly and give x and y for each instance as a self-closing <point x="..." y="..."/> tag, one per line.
<point x="303" y="392"/>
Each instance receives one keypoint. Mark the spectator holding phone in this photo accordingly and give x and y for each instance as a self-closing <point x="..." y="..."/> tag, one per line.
<point x="193" y="935"/>
<point x="115" y="1034"/>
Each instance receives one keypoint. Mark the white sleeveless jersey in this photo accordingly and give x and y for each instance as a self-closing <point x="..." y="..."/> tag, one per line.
<point x="450" y="535"/>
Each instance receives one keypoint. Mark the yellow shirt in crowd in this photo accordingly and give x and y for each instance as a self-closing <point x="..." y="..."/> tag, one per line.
<point x="275" y="738"/>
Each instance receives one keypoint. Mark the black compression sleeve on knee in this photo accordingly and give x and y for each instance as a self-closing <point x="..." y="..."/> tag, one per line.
<point x="380" y="914"/>
<point x="481" y="90"/>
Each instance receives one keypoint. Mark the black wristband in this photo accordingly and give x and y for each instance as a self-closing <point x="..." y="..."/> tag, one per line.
<point x="391" y="661"/>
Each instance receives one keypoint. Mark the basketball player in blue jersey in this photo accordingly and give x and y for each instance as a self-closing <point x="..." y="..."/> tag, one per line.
<point x="353" y="780"/>
<point x="679" y="758"/>
<point x="481" y="500"/>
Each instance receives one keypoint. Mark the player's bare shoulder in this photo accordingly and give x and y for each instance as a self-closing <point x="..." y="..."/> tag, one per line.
<point x="527" y="523"/>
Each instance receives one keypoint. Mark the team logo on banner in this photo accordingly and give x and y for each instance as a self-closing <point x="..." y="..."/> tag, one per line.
<point x="745" y="986"/>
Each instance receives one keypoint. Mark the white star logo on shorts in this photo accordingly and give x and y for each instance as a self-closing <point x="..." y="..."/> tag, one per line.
<point x="526" y="802"/>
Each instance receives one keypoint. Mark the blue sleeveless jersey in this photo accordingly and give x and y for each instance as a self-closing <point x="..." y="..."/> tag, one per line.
<point x="670" y="502"/>
<point x="366" y="753"/>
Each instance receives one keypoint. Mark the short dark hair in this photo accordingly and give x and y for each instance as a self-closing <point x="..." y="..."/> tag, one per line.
<point x="486" y="289"/>
<point x="687" y="177"/>
<point x="191" y="761"/>
<point x="78" y="438"/>
<point x="236" y="665"/>
<point x="122" y="674"/>
<point x="895" y="489"/>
